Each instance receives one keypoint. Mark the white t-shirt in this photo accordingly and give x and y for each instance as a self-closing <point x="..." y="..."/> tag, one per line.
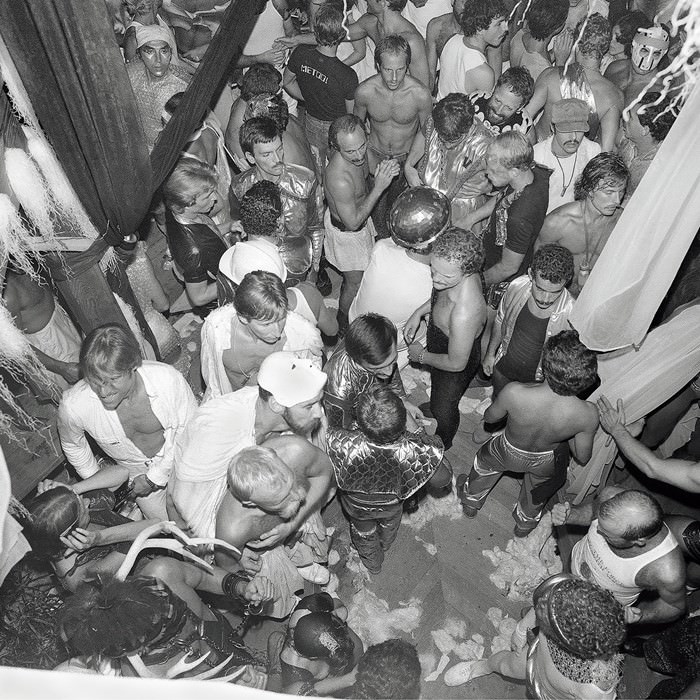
<point x="456" y="60"/>
<point x="420" y="16"/>
<point x="394" y="285"/>
<point x="565" y="171"/>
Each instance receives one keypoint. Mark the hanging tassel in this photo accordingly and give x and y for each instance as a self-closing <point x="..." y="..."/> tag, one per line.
<point x="29" y="187"/>
<point x="59" y="187"/>
<point x="13" y="236"/>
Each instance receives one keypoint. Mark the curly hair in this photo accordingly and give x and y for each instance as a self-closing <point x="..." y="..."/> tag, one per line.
<point x="381" y="414"/>
<point x="478" y="15"/>
<point x="595" y="40"/>
<point x="518" y="80"/>
<point x="388" y="670"/>
<point x="657" y="118"/>
<point x="261" y="296"/>
<point x="628" y="25"/>
<point x="261" y="208"/>
<point x="591" y="621"/>
<point x="569" y="367"/>
<point x="462" y="247"/>
<point x="259" y="78"/>
<point x="546" y="17"/>
<point x="603" y="170"/>
<point x="112" y="618"/>
<point x="554" y="263"/>
<point x="453" y="116"/>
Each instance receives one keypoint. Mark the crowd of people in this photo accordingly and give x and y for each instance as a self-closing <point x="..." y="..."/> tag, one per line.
<point x="458" y="178"/>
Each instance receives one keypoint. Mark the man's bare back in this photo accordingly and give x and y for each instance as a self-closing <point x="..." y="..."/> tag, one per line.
<point x="394" y="115"/>
<point x="539" y="420"/>
<point x="440" y="30"/>
<point x="608" y="101"/>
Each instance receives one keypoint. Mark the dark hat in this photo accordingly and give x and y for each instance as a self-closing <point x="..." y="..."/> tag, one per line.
<point x="570" y="115"/>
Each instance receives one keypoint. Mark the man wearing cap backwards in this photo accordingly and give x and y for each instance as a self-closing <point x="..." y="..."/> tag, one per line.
<point x="287" y="398"/>
<point x="349" y="230"/>
<point x="567" y="151"/>
<point x="633" y="74"/>
<point x="407" y="255"/>
<point x="151" y="79"/>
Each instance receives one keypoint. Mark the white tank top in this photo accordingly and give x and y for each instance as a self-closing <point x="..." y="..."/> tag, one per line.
<point x="593" y="560"/>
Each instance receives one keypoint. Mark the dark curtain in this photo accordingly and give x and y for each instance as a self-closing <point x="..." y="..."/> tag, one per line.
<point x="67" y="56"/>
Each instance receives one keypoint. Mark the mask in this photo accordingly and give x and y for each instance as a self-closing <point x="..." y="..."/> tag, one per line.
<point x="653" y="39"/>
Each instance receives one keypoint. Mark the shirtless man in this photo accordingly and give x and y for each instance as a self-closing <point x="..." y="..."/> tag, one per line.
<point x="540" y="416"/>
<point x="583" y="80"/>
<point x="267" y="503"/>
<point x="629" y="549"/>
<point x="383" y="18"/>
<point x="349" y="230"/>
<point x="584" y="225"/>
<point x="440" y="30"/>
<point x="633" y="74"/>
<point x="46" y="325"/>
<point x="463" y="63"/>
<point x="133" y="410"/>
<point x="396" y="105"/>
<point x="456" y="317"/>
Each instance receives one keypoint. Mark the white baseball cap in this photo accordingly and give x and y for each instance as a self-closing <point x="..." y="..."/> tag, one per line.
<point x="290" y="379"/>
<point x="248" y="256"/>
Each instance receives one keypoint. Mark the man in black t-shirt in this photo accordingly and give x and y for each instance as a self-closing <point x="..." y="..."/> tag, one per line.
<point x="317" y="76"/>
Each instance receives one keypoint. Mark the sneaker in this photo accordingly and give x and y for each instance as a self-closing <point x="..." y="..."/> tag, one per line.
<point x="461" y="673"/>
<point x="315" y="573"/>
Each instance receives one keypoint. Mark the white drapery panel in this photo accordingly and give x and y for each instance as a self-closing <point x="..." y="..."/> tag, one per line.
<point x="668" y="359"/>
<point x="644" y="252"/>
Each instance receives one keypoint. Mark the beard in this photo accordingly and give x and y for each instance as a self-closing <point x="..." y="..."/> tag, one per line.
<point x="303" y="428"/>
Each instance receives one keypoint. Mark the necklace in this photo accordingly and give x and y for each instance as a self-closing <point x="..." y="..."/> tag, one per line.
<point x="565" y="185"/>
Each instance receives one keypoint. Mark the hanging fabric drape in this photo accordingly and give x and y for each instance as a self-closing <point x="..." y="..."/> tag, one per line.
<point x="641" y="258"/>
<point x="668" y="359"/>
<point x="71" y="67"/>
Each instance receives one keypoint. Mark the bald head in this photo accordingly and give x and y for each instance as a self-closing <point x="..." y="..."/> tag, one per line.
<point x="637" y="514"/>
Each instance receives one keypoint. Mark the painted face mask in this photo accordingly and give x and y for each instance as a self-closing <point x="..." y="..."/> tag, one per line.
<point x="649" y="46"/>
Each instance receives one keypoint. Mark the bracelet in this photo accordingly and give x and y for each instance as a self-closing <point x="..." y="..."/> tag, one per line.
<point x="421" y="355"/>
<point x="229" y="583"/>
<point x="152" y="484"/>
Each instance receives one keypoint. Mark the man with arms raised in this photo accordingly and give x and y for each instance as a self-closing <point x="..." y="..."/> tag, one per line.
<point x="396" y="105"/>
<point x="582" y="80"/>
<point x="628" y="549"/>
<point x="540" y="416"/>
<point x="133" y="410"/>
<point x="383" y="18"/>
<point x="584" y="226"/>
<point x="349" y="230"/>
<point x="463" y="65"/>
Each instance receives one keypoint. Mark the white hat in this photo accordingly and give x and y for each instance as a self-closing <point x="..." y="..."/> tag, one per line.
<point x="289" y="379"/>
<point x="248" y="256"/>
